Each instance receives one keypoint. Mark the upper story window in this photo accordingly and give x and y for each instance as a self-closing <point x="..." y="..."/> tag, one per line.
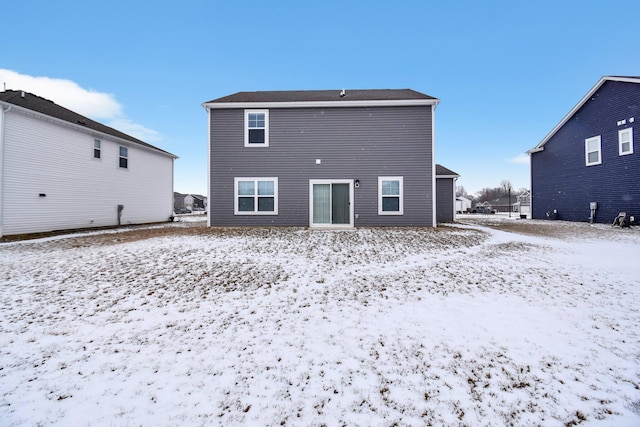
<point x="625" y="139"/>
<point x="390" y="195"/>
<point x="592" y="151"/>
<point x="96" y="149"/>
<point x="256" y="128"/>
<point x="256" y="196"/>
<point x="124" y="157"/>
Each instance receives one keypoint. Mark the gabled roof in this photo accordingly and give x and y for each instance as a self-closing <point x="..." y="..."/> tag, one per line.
<point x="629" y="79"/>
<point x="442" y="172"/>
<point x="333" y="98"/>
<point x="49" y="108"/>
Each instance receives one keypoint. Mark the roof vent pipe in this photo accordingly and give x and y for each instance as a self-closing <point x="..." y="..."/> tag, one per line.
<point x="22" y="94"/>
<point x="343" y="93"/>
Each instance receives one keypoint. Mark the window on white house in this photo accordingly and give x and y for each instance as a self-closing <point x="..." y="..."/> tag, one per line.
<point x="593" y="152"/>
<point x="256" y="128"/>
<point x="124" y="157"/>
<point x="256" y="196"/>
<point x="625" y="139"/>
<point x="96" y="149"/>
<point x="390" y="195"/>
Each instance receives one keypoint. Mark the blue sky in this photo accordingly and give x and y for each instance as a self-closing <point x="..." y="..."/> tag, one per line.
<point x="506" y="72"/>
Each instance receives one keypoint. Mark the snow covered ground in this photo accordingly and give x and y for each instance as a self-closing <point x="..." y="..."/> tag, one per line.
<point x="466" y="324"/>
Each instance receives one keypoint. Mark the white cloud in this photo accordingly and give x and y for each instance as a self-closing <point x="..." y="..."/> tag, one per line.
<point x="99" y="106"/>
<point x="520" y="159"/>
<point x="134" y="129"/>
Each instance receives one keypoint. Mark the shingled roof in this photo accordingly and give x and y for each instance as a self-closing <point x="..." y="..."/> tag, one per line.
<point x="49" y="108"/>
<point x="311" y="96"/>
<point x="442" y="171"/>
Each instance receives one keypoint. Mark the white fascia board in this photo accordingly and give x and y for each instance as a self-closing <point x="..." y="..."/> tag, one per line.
<point x="90" y="131"/>
<point x="448" y="176"/>
<point x="579" y="105"/>
<point x="321" y="104"/>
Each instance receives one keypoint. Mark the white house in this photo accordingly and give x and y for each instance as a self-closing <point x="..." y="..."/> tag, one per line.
<point x="60" y="170"/>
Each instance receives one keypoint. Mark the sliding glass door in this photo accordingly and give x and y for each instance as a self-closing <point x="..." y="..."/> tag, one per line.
<point x="331" y="203"/>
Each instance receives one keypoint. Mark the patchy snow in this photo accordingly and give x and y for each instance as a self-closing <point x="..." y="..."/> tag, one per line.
<point x="467" y="324"/>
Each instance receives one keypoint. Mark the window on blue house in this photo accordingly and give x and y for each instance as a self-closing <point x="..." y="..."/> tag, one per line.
<point x="593" y="152"/>
<point x="256" y="128"/>
<point x="256" y="196"/>
<point x="625" y="139"/>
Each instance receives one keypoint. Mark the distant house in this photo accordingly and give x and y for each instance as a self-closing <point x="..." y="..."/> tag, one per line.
<point x="323" y="158"/>
<point x="588" y="160"/>
<point x="60" y="170"/>
<point x="195" y="202"/>
<point x="191" y="202"/>
<point x="445" y="194"/>
<point x="522" y="204"/>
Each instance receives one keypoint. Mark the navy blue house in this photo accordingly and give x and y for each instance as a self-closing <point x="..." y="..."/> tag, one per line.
<point x="588" y="167"/>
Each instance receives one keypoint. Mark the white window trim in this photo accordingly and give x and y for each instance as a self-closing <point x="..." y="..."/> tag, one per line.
<point x="120" y="156"/>
<point x="236" y="211"/>
<point x="93" y="151"/>
<point x="622" y="132"/>
<point x="312" y="182"/>
<point x="246" y="128"/>
<point x="401" y="195"/>
<point x="586" y="150"/>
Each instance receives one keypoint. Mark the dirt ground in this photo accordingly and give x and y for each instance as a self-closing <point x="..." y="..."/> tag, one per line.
<point x="555" y="229"/>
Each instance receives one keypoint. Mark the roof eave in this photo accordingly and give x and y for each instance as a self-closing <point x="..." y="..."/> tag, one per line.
<point x="579" y="105"/>
<point x="88" y="130"/>
<point x="321" y="104"/>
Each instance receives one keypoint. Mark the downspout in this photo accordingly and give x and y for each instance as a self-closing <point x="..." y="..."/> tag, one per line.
<point x="208" y="209"/>
<point x="454" y="198"/>
<point x="2" y="192"/>
<point x="433" y="165"/>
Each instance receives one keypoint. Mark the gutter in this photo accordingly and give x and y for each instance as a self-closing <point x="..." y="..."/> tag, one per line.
<point x="321" y="104"/>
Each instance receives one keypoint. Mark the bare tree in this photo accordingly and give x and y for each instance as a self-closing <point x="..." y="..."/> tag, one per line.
<point x="505" y="186"/>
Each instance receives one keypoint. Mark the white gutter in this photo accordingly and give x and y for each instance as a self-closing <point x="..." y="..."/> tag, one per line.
<point x="434" y="208"/>
<point x="321" y="104"/>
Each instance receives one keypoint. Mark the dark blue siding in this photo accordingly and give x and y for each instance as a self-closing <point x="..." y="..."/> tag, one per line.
<point x="561" y="181"/>
<point x="353" y="143"/>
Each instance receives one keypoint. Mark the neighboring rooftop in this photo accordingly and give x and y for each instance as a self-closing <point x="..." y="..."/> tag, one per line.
<point x="337" y="95"/>
<point x="442" y="171"/>
<point x="44" y="106"/>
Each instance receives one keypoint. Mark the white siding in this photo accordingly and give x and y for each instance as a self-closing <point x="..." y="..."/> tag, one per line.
<point x="43" y="157"/>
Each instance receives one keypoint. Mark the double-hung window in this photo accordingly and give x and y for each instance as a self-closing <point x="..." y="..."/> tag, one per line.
<point x="96" y="149"/>
<point x="390" y="195"/>
<point x="124" y="157"/>
<point x="256" y="196"/>
<point x="625" y="141"/>
<point x="593" y="151"/>
<point x="256" y="128"/>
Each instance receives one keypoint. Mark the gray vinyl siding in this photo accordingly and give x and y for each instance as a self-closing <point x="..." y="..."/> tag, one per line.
<point x="352" y="143"/>
<point x="445" y="200"/>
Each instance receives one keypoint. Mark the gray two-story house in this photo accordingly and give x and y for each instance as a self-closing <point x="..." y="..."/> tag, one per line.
<point x="322" y="158"/>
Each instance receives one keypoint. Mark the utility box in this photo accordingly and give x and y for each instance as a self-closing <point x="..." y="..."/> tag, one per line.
<point x="593" y="205"/>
